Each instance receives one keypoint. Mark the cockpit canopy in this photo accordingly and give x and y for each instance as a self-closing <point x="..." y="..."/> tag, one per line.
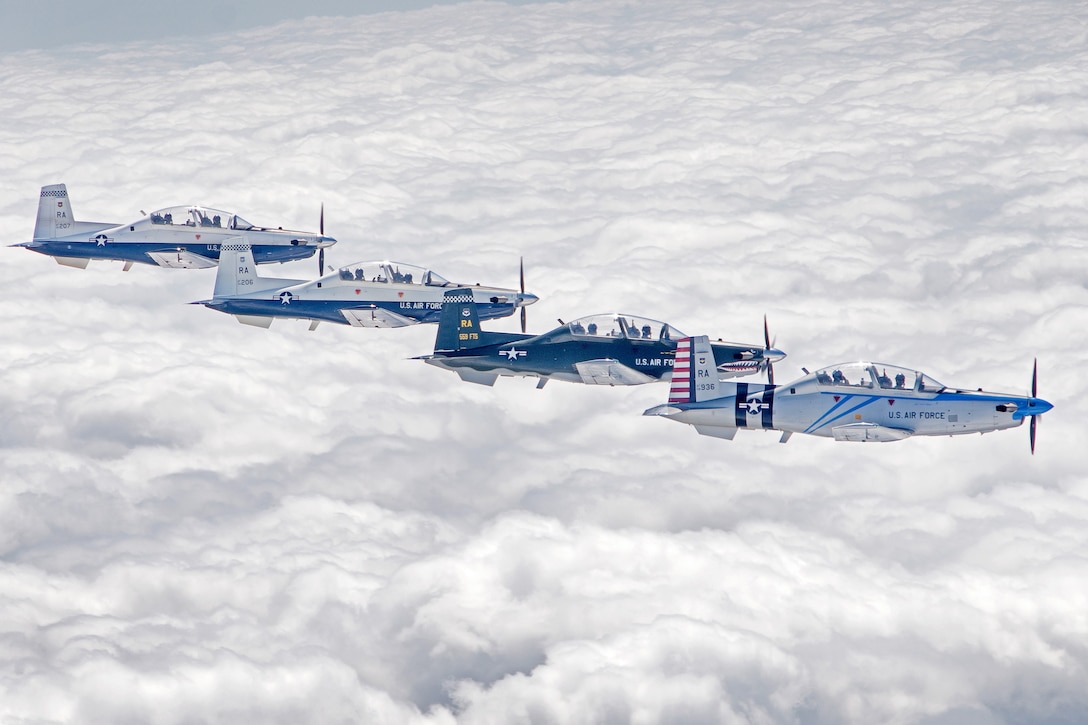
<point x="628" y="326"/>
<point x="198" y="216"/>
<point x="877" y="375"/>
<point x="395" y="272"/>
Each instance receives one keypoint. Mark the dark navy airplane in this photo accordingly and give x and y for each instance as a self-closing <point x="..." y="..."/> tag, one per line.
<point x="182" y="237"/>
<point x="609" y="349"/>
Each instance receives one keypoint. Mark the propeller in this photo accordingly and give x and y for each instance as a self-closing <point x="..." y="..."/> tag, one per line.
<point x="767" y="364"/>
<point x="1034" y="391"/>
<point x="521" y="267"/>
<point x="321" y="251"/>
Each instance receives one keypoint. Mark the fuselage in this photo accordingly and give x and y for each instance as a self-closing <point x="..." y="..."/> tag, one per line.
<point x="275" y="248"/>
<point x="867" y="411"/>
<point x="556" y="354"/>
<point x="183" y="236"/>
<point x="334" y="299"/>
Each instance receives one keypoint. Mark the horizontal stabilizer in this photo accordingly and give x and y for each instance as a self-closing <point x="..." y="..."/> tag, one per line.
<point x="665" y="410"/>
<point x="868" y="432"/>
<point x="610" y="372"/>
<point x="375" y="317"/>
<point x="182" y="260"/>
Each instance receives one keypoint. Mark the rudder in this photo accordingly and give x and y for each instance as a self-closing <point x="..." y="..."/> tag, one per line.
<point x="694" y="376"/>
<point x="54" y="213"/>
<point x="459" y="325"/>
<point x="237" y="271"/>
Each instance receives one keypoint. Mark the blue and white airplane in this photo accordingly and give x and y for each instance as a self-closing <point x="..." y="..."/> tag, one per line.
<point x="859" y="401"/>
<point x="365" y="294"/>
<point x="187" y="237"/>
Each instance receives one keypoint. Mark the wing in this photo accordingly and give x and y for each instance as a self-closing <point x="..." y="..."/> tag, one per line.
<point x="182" y="260"/>
<point x="610" y="372"/>
<point x="375" y="317"/>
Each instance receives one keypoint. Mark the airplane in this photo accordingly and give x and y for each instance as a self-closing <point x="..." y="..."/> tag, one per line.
<point x="179" y="237"/>
<point x="858" y="401"/>
<point x="364" y="294"/>
<point x="608" y="349"/>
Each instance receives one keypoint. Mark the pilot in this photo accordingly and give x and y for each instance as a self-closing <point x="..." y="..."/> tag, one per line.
<point x="217" y="221"/>
<point x="838" y="378"/>
<point x="900" y="380"/>
<point x="407" y="278"/>
<point x="593" y="328"/>
<point x="645" y="332"/>
<point x="359" y="276"/>
<point x="168" y="218"/>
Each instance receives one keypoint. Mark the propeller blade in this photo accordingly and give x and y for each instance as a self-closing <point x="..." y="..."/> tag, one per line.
<point x="766" y="348"/>
<point x="1034" y="393"/>
<point x="321" y="251"/>
<point x="521" y="272"/>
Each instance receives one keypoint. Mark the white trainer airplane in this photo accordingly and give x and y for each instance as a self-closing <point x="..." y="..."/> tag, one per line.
<point x="859" y="401"/>
<point x="365" y="294"/>
<point x="186" y="237"/>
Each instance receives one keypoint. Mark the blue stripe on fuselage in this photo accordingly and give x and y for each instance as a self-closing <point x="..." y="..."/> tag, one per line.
<point x="825" y="419"/>
<point x="138" y="251"/>
<point x="329" y="310"/>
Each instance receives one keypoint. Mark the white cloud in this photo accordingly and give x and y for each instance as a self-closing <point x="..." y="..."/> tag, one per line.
<point x="205" y="521"/>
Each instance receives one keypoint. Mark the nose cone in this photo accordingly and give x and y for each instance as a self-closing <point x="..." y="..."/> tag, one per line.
<point x="324" y="242"/>
<point x="526" y="298"/>
<point x="1037" y="406"/>
<point x="772" y="354"/>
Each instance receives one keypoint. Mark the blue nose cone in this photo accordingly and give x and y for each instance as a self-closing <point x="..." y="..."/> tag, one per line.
<point x="1037" y="406"/>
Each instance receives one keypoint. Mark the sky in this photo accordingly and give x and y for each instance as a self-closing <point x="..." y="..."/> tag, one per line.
<point x="203" y="521"/>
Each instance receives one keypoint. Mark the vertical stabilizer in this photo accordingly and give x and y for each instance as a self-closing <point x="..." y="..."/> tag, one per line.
<point x="459" y="325"/>
<point x="55" y="217"/>
<point x="237" y="271"/>
<point x="694" y="376"/>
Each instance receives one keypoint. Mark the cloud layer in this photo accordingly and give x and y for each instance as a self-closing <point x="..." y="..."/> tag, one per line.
<point x="205" y="521"/>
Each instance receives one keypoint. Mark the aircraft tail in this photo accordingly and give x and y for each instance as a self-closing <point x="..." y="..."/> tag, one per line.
<point x="55" y="217"/>
<point x="459" y="325"/>
<point x="694" y="376"/>
<point x="237" y="273"/>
